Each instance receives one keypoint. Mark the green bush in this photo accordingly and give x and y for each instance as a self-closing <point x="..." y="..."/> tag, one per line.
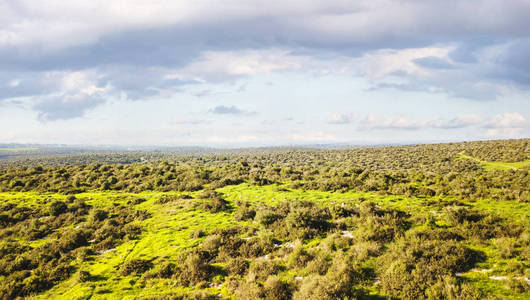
<point x="237" y="266"/>
<point x="413" y="265"/>
<point x="276" y="289"/>
<point x="135" y="266"/>
<point x="261" y="269"/>
<point x="338" y="283"/>
<point x="449" y="288"/>
<point x="193" y="269"/>
<point x="83" y="276"/>
<point x="98" y="215"/>
<point x="57" y="207"/>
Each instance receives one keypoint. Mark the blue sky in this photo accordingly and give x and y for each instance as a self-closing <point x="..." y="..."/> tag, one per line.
<point x="253" y="73"/>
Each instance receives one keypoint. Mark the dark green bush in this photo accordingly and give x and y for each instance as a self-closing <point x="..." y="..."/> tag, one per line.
<point x="237" y="266"/>
<point x="192" y="269"/>
<point x="261" y="269"/>
<point x="57" y="207"/>
<point x="414" y="264"/>
<point x="135" y="266"/>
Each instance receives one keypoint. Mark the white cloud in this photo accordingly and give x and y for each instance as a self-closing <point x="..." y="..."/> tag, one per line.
<point x="14" y="83"/>
<point x="215" y="66"/>
<point x="508" y="120"/>
<point x="73" y="95"/>
<point x="457" y="122"/>
<point x="372" y="121"/>
<point x="190" y="121"/>
<point x="382" y="63"/>
<point x="512" y="123"/>
<point x="341" y="118"/>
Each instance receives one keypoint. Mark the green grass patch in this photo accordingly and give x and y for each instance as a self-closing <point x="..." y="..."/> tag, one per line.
<point x="17" y="149"/>
<point x="497" y="165"/>
<point x="169" y="231"/>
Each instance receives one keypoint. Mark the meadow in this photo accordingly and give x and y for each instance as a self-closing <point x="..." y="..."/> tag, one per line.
<point x="357" y="224"/>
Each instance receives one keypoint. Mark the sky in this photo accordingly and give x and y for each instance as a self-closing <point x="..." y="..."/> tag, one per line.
<point x="263" y="73"/>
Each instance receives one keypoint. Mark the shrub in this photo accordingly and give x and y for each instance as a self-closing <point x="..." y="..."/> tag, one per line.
<point x="83" y="253"/>
<point x="132" y="231"/>
<point x="57" y="207"/>
<point x="192" y="270"/>
<point x="456" y="215"/>
<point x="517" y="285"/>
<point x="364" y="250"/>
<point x="136" y="201"/>
<point x="413" y="265"/>
<point x="299" y="257"/>
<point x="248" y="291"/>
<point x="237" y="266"/>
<point x="257" y="247"/>
<point x="214" y="205"/>
<point x="83" y="276"/>
<point x="266" y="216"/>
<point x="261" y="269"/>
<point x="72" y="239"/>
<point x="135" y="266"/>
<point x="318" y="265"/>
<point x="506" y="247"/>
<point x="274" y="289"/>
<point x="167" y="270"/>
<point x="338" y="283"/>
<point x="98" y="215"/>
<point x="244" y="213"/>
<point x="449" y="288"/>
<point x="70" y="198"/>
<point x="198" y="233"/>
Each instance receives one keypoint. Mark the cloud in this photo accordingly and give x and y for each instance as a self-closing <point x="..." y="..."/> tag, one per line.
<point x="382" y="63"/>
<point x="190" y="121"/>
<point x="230" y="110"/>
<point x="506" y="122"/>
<point x="66" y="106"/>
<point x="340" y="118"/>
<point x="146" y="50"/>
<point x="457" y="122"/>
<point x="433" y="62"/>
<point x="373" y="122"/>
<point x="215" y="66"/>
<point x="66" y="95"/>
<point x="512" y="63"/>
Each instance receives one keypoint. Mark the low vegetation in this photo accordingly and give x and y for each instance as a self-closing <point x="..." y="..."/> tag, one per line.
<point x="411" y="222"/>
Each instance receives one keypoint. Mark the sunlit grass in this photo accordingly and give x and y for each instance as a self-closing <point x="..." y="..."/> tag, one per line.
<point x="17" y="149"/>
<point x="169" y="232"/>
<point x="498" y="165"/>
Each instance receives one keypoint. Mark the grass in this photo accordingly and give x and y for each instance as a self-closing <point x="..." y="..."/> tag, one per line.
<point x="169" y="230"/>
<point x="17" y="149"/>
<point x="497" y="165"/>
<point x="166" y="234"/>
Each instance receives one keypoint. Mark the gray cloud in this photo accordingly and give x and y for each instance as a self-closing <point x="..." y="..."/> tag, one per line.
<point x="66" y="106"/>
<point x="133" y="53"/>
<point x="514" y="64"/>
<point x="432" y="62"/>
<point x="455" y="123"/>
<point x="230" y="110"/>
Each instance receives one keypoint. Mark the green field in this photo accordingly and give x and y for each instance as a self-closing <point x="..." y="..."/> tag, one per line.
<point x="17" y="149"/>
<point x="498" y="165"/>
<point x="168" y="232"/>
<point x="444" y="221"/>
